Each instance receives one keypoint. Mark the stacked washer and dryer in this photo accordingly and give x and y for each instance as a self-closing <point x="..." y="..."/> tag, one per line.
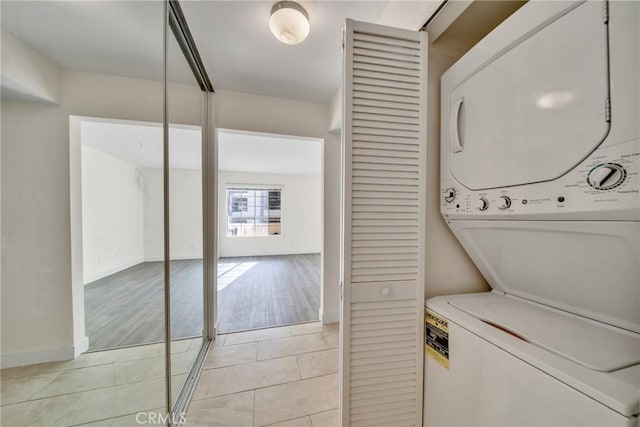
<point x="540" y="163"/>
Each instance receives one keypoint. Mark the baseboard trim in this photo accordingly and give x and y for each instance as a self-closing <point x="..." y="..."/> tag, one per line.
<point x="92" y="278"/>
<point x="329" y="317"/>
<point x="276" y="253"/>
<point x="81" y="347"/>
<point x="174" y="258"/>
<point x="13" y="360"/>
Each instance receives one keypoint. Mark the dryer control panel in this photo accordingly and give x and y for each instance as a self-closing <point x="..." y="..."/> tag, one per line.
<point x="606" y="185"/>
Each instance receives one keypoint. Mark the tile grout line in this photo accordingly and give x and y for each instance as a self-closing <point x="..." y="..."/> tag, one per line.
<point x="295" y="354"/>
<point x="329" y="347"/>
<point x="114" y="418"/>
<point x="322" y="412"/>
<point x="257" y="331"/>
<point x="272" y="358"/>
<point x="253" y="410"/>
<point x="289" y="419"/>
<point x="75" y="368"/>
<point x="84" y="391"/>
<point x="267" y="386"/>
<point x="298" y="366"/>
<point x="297" y="418"/>
<point x="274" y="338"/>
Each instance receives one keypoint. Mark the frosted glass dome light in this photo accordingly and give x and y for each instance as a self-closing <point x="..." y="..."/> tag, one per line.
<point x="289" y="22"/>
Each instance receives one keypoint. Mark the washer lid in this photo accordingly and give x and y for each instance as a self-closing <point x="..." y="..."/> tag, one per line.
<point x="592" y="344"/>
<point x="588" y="268"/>
<point x="619" y="390"/>
<point x="538" y="108"/>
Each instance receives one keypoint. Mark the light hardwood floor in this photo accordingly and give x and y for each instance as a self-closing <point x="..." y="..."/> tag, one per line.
<point x="127" y="307"/>
<point x="268" y="291"/>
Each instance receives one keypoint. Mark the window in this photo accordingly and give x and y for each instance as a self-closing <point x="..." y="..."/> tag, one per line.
<point x="253" y="211"/>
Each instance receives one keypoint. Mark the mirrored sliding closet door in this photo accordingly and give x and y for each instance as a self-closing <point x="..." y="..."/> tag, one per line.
<point x="102" y="122"/>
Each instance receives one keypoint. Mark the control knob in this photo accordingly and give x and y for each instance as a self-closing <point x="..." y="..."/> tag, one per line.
<point x="482" y="204"/>
<point x="504" y="202"/>
<point x="606" y="176"/>
<point x="449" y="195"/>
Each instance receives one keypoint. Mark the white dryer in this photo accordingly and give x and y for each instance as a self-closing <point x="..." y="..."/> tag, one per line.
<point x="540" y="164"/>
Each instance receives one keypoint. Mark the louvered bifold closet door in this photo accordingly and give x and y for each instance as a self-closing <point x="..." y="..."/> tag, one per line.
<point x="384" y="154"/>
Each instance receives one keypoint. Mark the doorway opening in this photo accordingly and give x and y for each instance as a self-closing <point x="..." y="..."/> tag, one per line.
<point x="270" y="225"/>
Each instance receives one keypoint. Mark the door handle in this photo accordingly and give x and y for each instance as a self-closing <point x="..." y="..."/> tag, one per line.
<point x="454" y="117"/>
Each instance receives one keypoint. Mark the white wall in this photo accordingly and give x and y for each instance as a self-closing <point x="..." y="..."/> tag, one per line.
<point x="454" y="31"/>
<point x="112" y="228"/>
<point x="185" y="212"/>
<point x="26" y="73"/>
<point x="153" y="214"/>
<point x="256" y="113"/>
<point x="335" y="112"/>
<point x="42" y="291"/>
<point x="301" y="216"/>
<point x="448" y="268"/>
<point x="42" y="309"/>
<point x="332" y="181"/>
<point x="122" y="214"/>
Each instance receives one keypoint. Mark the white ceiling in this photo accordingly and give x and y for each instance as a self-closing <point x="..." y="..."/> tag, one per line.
<point x="233" y="37"/>
<point x="112" y="37"/>
<point x="262" y="153"/>
<point x="241" y="54"/>
<point x="141" y="143"/>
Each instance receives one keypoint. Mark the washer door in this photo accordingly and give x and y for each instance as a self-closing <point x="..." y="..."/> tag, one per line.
<point x="534" y="112"/>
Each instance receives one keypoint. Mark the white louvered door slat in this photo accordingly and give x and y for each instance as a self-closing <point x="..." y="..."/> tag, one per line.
<point x="384" y="161"/>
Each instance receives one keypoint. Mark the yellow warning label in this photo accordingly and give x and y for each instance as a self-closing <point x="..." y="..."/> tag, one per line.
<point x="436" y="340"/>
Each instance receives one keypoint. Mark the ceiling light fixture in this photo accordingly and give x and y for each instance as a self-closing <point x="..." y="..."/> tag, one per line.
<point x="289" y="22"/>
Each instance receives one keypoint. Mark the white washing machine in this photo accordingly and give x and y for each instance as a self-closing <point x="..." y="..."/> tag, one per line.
<point x="540" y="184"/>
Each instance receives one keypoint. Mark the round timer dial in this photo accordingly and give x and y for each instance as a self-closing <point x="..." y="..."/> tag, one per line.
<point x="606" y="176"/>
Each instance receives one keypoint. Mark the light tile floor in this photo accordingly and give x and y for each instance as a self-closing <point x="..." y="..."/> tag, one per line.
<point x="105" y="388"/>
<point x="285" y="376"/>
